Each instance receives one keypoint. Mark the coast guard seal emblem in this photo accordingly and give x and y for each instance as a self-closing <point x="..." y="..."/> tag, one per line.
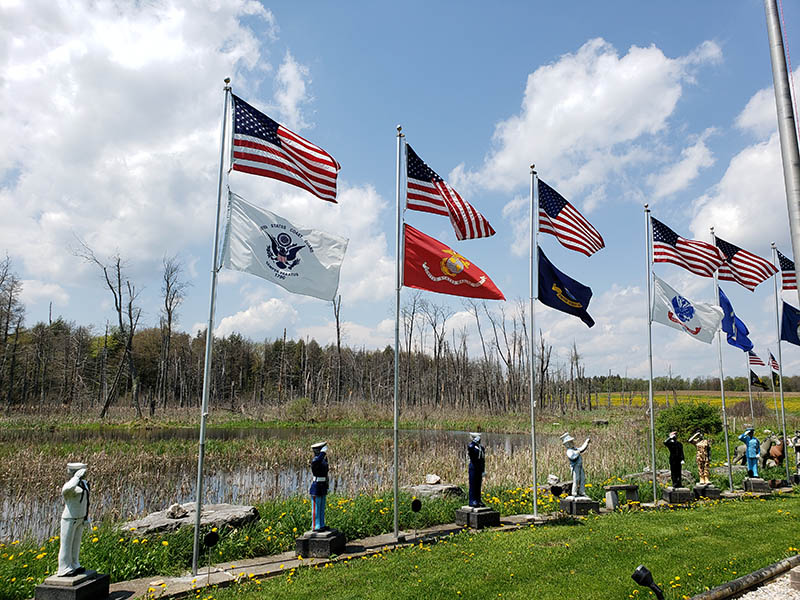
<point x="283" y="251"/>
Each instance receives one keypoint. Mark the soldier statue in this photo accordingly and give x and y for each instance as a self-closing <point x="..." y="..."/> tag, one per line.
<point x="477" y="466"/>
<point x="319" y="486"/>
<point x="703" y="456"/>
<point x="796" y="444"/>
<point x="752" y="450"/>
<point x="76" y="514"/>
<point x="576" y="463"/>
<point x="676" y="458"/>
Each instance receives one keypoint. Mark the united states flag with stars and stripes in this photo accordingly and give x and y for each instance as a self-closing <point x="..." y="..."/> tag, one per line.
<point x="754" y="360"/>
<point x="701" y="258"/>
<point x="788" y="273"/>
<point x="559" y="218"/>
<point x="263" y="147"/>
<point x="428" y="192"/>
<point x="773" y="363"/>
<point x="743" y="267"/>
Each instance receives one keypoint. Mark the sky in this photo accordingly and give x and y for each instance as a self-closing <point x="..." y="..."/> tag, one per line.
<point x="111" y="113"/>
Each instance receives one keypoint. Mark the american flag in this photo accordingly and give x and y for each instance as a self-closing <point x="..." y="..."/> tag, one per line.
<point x="743" y="267"/>
<point x="427" y="192"/>
<point x="560" y="218"/>
<point x="753" y="359"/>
<point x="788" y="274"/>
<point x="773" y="363"/>
<point x="263" y="147"/>
<point x="701" y="258"/>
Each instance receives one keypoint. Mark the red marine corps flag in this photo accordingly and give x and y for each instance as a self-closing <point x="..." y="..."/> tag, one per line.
<point x="431" y="265"/>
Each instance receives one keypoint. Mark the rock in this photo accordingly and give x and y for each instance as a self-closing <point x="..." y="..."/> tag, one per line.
<point x="723" y="470"/>
<point x="432" y="479"/>
<point x="176" y="511"/>
<point x="662" y="476"/>
<point x="552" y="479"/>
<point x="435" y="490"/>
<point x="215" y="515"/>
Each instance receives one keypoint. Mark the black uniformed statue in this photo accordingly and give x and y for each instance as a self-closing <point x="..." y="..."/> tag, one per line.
<point x="675" y="458"/>
<point x="477" y="465"/>
<point x="319" y="485"/>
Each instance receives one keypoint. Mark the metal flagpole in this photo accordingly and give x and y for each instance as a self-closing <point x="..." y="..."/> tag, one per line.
<point x="722" y="381"/>
<point x="648" y="258"/>
<point x="786" y="124"/>
<point x="209" y="336"/>
<point x="534" y="289"/>
<point x="398" y="285"/>
<point x="780" y="358"/>
<point x="749" y="387"/>
<point x="774" y="397"/>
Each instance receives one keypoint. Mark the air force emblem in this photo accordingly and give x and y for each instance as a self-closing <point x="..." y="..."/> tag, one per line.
<point x="283" y="251"/>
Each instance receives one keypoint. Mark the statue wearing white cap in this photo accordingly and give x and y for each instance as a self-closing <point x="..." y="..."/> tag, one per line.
<point x="319" y="485"/>
<point x="576" y="463"/>
<point x="477" y="466"/>
<point x="76" y="514"/>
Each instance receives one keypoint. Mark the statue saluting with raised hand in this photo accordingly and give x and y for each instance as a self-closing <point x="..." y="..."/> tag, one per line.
<point x="76" y="514"/>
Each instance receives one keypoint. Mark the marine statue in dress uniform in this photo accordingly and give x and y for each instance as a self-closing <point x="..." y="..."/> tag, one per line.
<point x="319" y="486"/>
<point x="676" y="458"/>
<point x="576" y="463"/>
<point x="752" y="450"/>
<point x="477" y="466"/>
<point x="703" y="456"/>
<point x="76" y="514"/>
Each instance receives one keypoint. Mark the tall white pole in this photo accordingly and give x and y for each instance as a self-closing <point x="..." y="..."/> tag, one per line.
<point x="722" y="381"/>
<point x="534" y="289"/>
<point x="210" y="335"/>
<point x="776" y="262"/>
<point x="398" y="286"/>
<point x="648" y="259"/>
<point x="749" y="387"/>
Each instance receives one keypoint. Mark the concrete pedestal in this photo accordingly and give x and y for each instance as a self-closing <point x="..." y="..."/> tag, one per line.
<point x="578" y="505"/>
<point x="90" y="585"/>
<point x="679" y="495"/>
<point x="756" y="485"/>
<point x="612" y="494"/>
<point x="477" y="518"/>
<point x="706" y="490"/>
<point x="320" y="544"/>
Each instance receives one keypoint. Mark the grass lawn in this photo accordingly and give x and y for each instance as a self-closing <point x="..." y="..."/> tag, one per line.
<point x="688" y="550"/>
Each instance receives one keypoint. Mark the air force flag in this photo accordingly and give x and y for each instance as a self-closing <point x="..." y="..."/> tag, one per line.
<point x="733" y="326"/>
<point x="697" y="319"/>
<point x="303" y="261"/>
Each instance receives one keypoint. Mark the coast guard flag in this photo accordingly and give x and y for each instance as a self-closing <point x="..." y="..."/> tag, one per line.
<point x="790" y="321"/>
<point x="733" y="326"/>
<point x="563" y="293"/>
<point x="303" y="261"/>
<point x="697" y="319"/>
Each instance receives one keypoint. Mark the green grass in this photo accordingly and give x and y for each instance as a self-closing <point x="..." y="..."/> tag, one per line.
<point x="688" y="551"/>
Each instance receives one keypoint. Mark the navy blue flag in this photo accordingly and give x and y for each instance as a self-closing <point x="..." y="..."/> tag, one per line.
<point x="563" y="293"/>
<point x="732" y="325"/>
<point x="789" y="324"/>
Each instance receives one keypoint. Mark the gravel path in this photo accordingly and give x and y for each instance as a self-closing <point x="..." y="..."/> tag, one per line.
<point x="778" y="589"/>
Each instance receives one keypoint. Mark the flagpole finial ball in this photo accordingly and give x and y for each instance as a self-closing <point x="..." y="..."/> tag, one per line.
<point x="647" y="207"/>
<point x="399" y="128"/>
<point x="227" y="80"/>
<point x="772" y="244"/>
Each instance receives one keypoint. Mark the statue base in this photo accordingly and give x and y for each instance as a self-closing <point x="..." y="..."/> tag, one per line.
<point x="706" y="490"/>
<point x="477" y="517"/>
<point x="89" y="585"/>
<point x="579" y="505"/>
<point x="320" y="544"/>
<point x="756" y="485"/>
<point x="673" y="495"/>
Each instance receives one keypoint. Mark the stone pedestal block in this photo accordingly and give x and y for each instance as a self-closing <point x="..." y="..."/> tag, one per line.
<point x="90" y="585"/>
<point x="612" y="494"/>
<point x="477" y="518"/>
<point x="579" y="505"/>
<point x="756" y="485"/>
<point x="794" y="578"/>
<point x="706" y="490"/>
<point x="320" y="544"/>
<point x="680" y="495"/>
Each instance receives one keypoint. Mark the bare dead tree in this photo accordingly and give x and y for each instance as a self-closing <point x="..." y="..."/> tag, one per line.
<point x="437" y="316"/>
<point x="173" y="291"/>
<point x="337" y="308"/>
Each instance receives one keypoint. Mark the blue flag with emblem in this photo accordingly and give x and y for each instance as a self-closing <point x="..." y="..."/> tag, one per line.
<point x="789" y="324"/>
<point x="563" y="293"/>
<point x="733" y="326"/>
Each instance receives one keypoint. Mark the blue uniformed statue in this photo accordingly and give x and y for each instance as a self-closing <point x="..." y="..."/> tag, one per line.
<point x="319" y="486"/>
<point x="752" y="450"/>
<point x="477" y="466"/>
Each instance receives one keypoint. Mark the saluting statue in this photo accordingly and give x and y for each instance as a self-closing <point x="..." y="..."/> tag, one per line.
<point x="676" y="458"/>
<point x="752" y="450"/>
<point x="576" y="463"/>
<point x="796" y="443"/>
<point x="703" y="456"/>
<point x="76" y="514"/>
<point x="319" y="485"/>
<point x="477" y="466"/>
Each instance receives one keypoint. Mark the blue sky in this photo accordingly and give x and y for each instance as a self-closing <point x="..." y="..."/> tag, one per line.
<point x="111" y="116"/>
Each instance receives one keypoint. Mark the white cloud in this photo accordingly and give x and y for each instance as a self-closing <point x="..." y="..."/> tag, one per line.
<point x="759" y="117"/>
<point x="258" y="321"/>
<point x="354" y="335"/>
<point x="678" y="176"/>
<point x="34" y="291"/>
<point x="292" y="79"/>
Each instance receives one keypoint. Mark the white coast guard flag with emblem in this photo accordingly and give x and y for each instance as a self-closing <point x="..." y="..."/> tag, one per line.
<point x="697" y="319"/>
<point x="303" y="261"/>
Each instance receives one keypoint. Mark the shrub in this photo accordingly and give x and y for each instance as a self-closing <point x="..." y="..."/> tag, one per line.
<point x="299" y="409"/>
<point x="688" y="418"/>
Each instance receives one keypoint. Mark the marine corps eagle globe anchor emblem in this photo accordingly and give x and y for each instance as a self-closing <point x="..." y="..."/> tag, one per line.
<point x="282" y="250"/>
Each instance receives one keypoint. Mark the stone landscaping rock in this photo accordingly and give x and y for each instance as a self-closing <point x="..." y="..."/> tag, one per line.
<point x="432" y="479"/>
<point x="663" y="476"/>
<point x="436" y="490"/>
<point x="723" y="470"/>
<point x="214" y="515"/>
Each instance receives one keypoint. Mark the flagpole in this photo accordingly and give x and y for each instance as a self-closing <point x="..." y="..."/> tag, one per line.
<point x="398" y="286"/>
<point x="648" y="257"/>
<point x="774" y="397"/>
<point x="776" y="262"/>
<point x="209" y="336"/>
<point x="722" y="380"/>
<point x="534" y="288"/>
<point x="749" y="388"/>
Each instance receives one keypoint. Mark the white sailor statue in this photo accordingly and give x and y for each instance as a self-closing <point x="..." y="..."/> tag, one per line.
<point x="73" y="519"/>
<point x="576" y="463"/>
<point x="477" y="466"/>
<point x="319" y="486"/>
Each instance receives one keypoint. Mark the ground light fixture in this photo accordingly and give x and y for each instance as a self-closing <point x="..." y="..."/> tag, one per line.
<point x="644" y="577"/>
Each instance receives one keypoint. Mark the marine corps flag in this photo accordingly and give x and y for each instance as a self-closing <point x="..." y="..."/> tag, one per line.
<point x="563" y="293"/>
<point x="431" y="265"/>
<point x="755" y="381"/>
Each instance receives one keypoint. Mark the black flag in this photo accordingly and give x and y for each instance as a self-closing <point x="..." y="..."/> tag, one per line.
<point x="755" y="380"/>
